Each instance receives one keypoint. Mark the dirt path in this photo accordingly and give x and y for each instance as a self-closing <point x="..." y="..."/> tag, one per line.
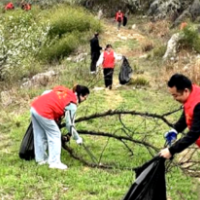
<point x="112" y="35"/>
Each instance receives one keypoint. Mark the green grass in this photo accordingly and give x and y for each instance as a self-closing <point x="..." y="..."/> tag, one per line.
<point x="25" y="180"/>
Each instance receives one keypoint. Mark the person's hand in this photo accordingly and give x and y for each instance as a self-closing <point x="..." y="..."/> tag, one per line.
<point x="170" y="136"/>
<point x="79" y="141"/>
<point x="165" y="153"/>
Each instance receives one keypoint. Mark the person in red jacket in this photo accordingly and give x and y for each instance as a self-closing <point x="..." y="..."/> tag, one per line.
<point x="25" y="6"/>
<point x="107" y="59"/>
<point x="9" y="6"/>
<point x="188" y="94"/>
<point x="46" y="111"/>
<point x="119" y="16"/>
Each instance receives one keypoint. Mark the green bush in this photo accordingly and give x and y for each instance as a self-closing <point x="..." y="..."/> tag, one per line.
<point x="139" y="81"/>
<point x="68" y="27"/>
<point x="68" y="19"/>
<point x="21" y="37"/>
<point x="60" y="48"/>
<point x="158" y="51"/>
<point x="191" y="38"/>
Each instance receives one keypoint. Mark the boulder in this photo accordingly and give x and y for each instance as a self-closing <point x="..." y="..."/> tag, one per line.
<point x="6" y="99"/>
<point x="40" y="79"/>
<point x="172" y="46"/>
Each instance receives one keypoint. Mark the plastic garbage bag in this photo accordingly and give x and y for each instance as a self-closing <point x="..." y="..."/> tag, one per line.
<point x="125" y="20"/>
<point x="125" y="72"/>
<point x="26" y="151"/>
<point x="150" y="182"/>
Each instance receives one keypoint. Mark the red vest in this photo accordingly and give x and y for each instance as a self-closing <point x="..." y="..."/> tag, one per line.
<point x="119" y="16"/>
<point x="9" y="6"/>
<point x="52" y="104"/>
<point x="27" y="6"/>
<point x="108" y="59"/>
<point x="189" y="106"/>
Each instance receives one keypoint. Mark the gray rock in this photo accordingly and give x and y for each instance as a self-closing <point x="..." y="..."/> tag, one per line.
<point x="40" y="79"/>
<point x="172" y="46"/>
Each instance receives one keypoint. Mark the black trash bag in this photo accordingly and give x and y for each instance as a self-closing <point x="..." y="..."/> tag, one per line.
<point x="150" y="181"/>
<point x="26" y="150"/>
<point x="125" y="72"/>
<point x="124" y="20"/>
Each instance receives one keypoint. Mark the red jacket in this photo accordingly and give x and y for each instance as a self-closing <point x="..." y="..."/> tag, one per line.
<point x="52" y="104"/>
<point x="9" y="6"/>
<point x="27" y="6"/>
<point x="119" y="16"/>
<point x="108" y="59"/>
<point x="189" y="106"/>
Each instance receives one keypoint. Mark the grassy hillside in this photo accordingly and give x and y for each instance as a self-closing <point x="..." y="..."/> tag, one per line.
<point x="146" y="93"/>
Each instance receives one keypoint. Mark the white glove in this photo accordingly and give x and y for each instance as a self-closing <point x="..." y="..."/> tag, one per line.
<point x="79" y="141"/>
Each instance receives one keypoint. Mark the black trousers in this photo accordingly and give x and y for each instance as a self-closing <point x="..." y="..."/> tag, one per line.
<point x="108" y="77"/>
<point x="94" y="59"/>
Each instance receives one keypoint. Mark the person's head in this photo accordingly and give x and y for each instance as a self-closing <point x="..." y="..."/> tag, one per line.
<point x="119" y="10"/>
<point x="96" y="34"/>
<point x="108" y="47"/>
<point x="82" y="92"/>
<point x="180" y="87"/>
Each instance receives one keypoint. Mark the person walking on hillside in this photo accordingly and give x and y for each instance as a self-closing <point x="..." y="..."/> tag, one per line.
<point x="9" y="6"/>
<point x="119" y="16"/>
<point x="188" y="94"/>
<point x="46" y="111"/>
<point x="95" y="52"/>
<point x="107" y="59"/>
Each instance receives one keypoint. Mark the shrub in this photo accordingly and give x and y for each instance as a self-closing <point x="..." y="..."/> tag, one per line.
<point x="67" y="29"/>
<point x="191" y="38"/>
<point x="139" y="81"/>
<point x="147" y="46"/>
<point x="60" y="48"/>
<point x="68" y="19"/>
<point x="159" y="51"/>
<point x="21" y="38"/>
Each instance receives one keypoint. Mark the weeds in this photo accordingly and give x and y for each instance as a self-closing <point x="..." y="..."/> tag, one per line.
<point x="138" y="82"/>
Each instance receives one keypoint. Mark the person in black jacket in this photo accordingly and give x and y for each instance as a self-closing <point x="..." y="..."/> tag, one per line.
<point x="95" y="52"/>
<point x="188" y="94"/>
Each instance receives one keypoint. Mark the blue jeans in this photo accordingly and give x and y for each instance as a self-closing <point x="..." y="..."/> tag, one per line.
<point x="47" y="136"/>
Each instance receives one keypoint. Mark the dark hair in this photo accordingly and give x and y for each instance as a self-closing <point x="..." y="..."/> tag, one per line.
<point x="180" y="82"/>
<point x="96" y="34"/>
<point x="108" y="46"/>
<point x="81" y="90"/>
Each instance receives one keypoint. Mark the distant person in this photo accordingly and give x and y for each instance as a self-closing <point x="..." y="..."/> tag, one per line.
<point x="9" y="6"/>
<point x="95" y="52"/>
<point x="183" y="25"/>
<point x="46" y="111"/>
<point x="25" y="6"/>
<point x="188" y="94"/>
<point x="119" y="16"/>
<point x="107" y="59"/>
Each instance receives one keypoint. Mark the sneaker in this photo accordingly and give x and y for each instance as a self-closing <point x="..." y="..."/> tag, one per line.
<point x="58" y="166"/>
<point x="43" y="162"/>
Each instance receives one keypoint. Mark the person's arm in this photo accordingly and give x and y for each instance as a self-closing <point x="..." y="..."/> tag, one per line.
<point x="116" y="16"/>
<point x="180" y="125"/>
<point x="192" y="135"/>
<point x="98" y="47"/>
<point x="70" y="111"/>
<point x="117" y="57"/>
<point x="100" y="60"/>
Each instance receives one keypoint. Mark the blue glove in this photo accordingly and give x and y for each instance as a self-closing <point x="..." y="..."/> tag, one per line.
<point x="170" y="136"/>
